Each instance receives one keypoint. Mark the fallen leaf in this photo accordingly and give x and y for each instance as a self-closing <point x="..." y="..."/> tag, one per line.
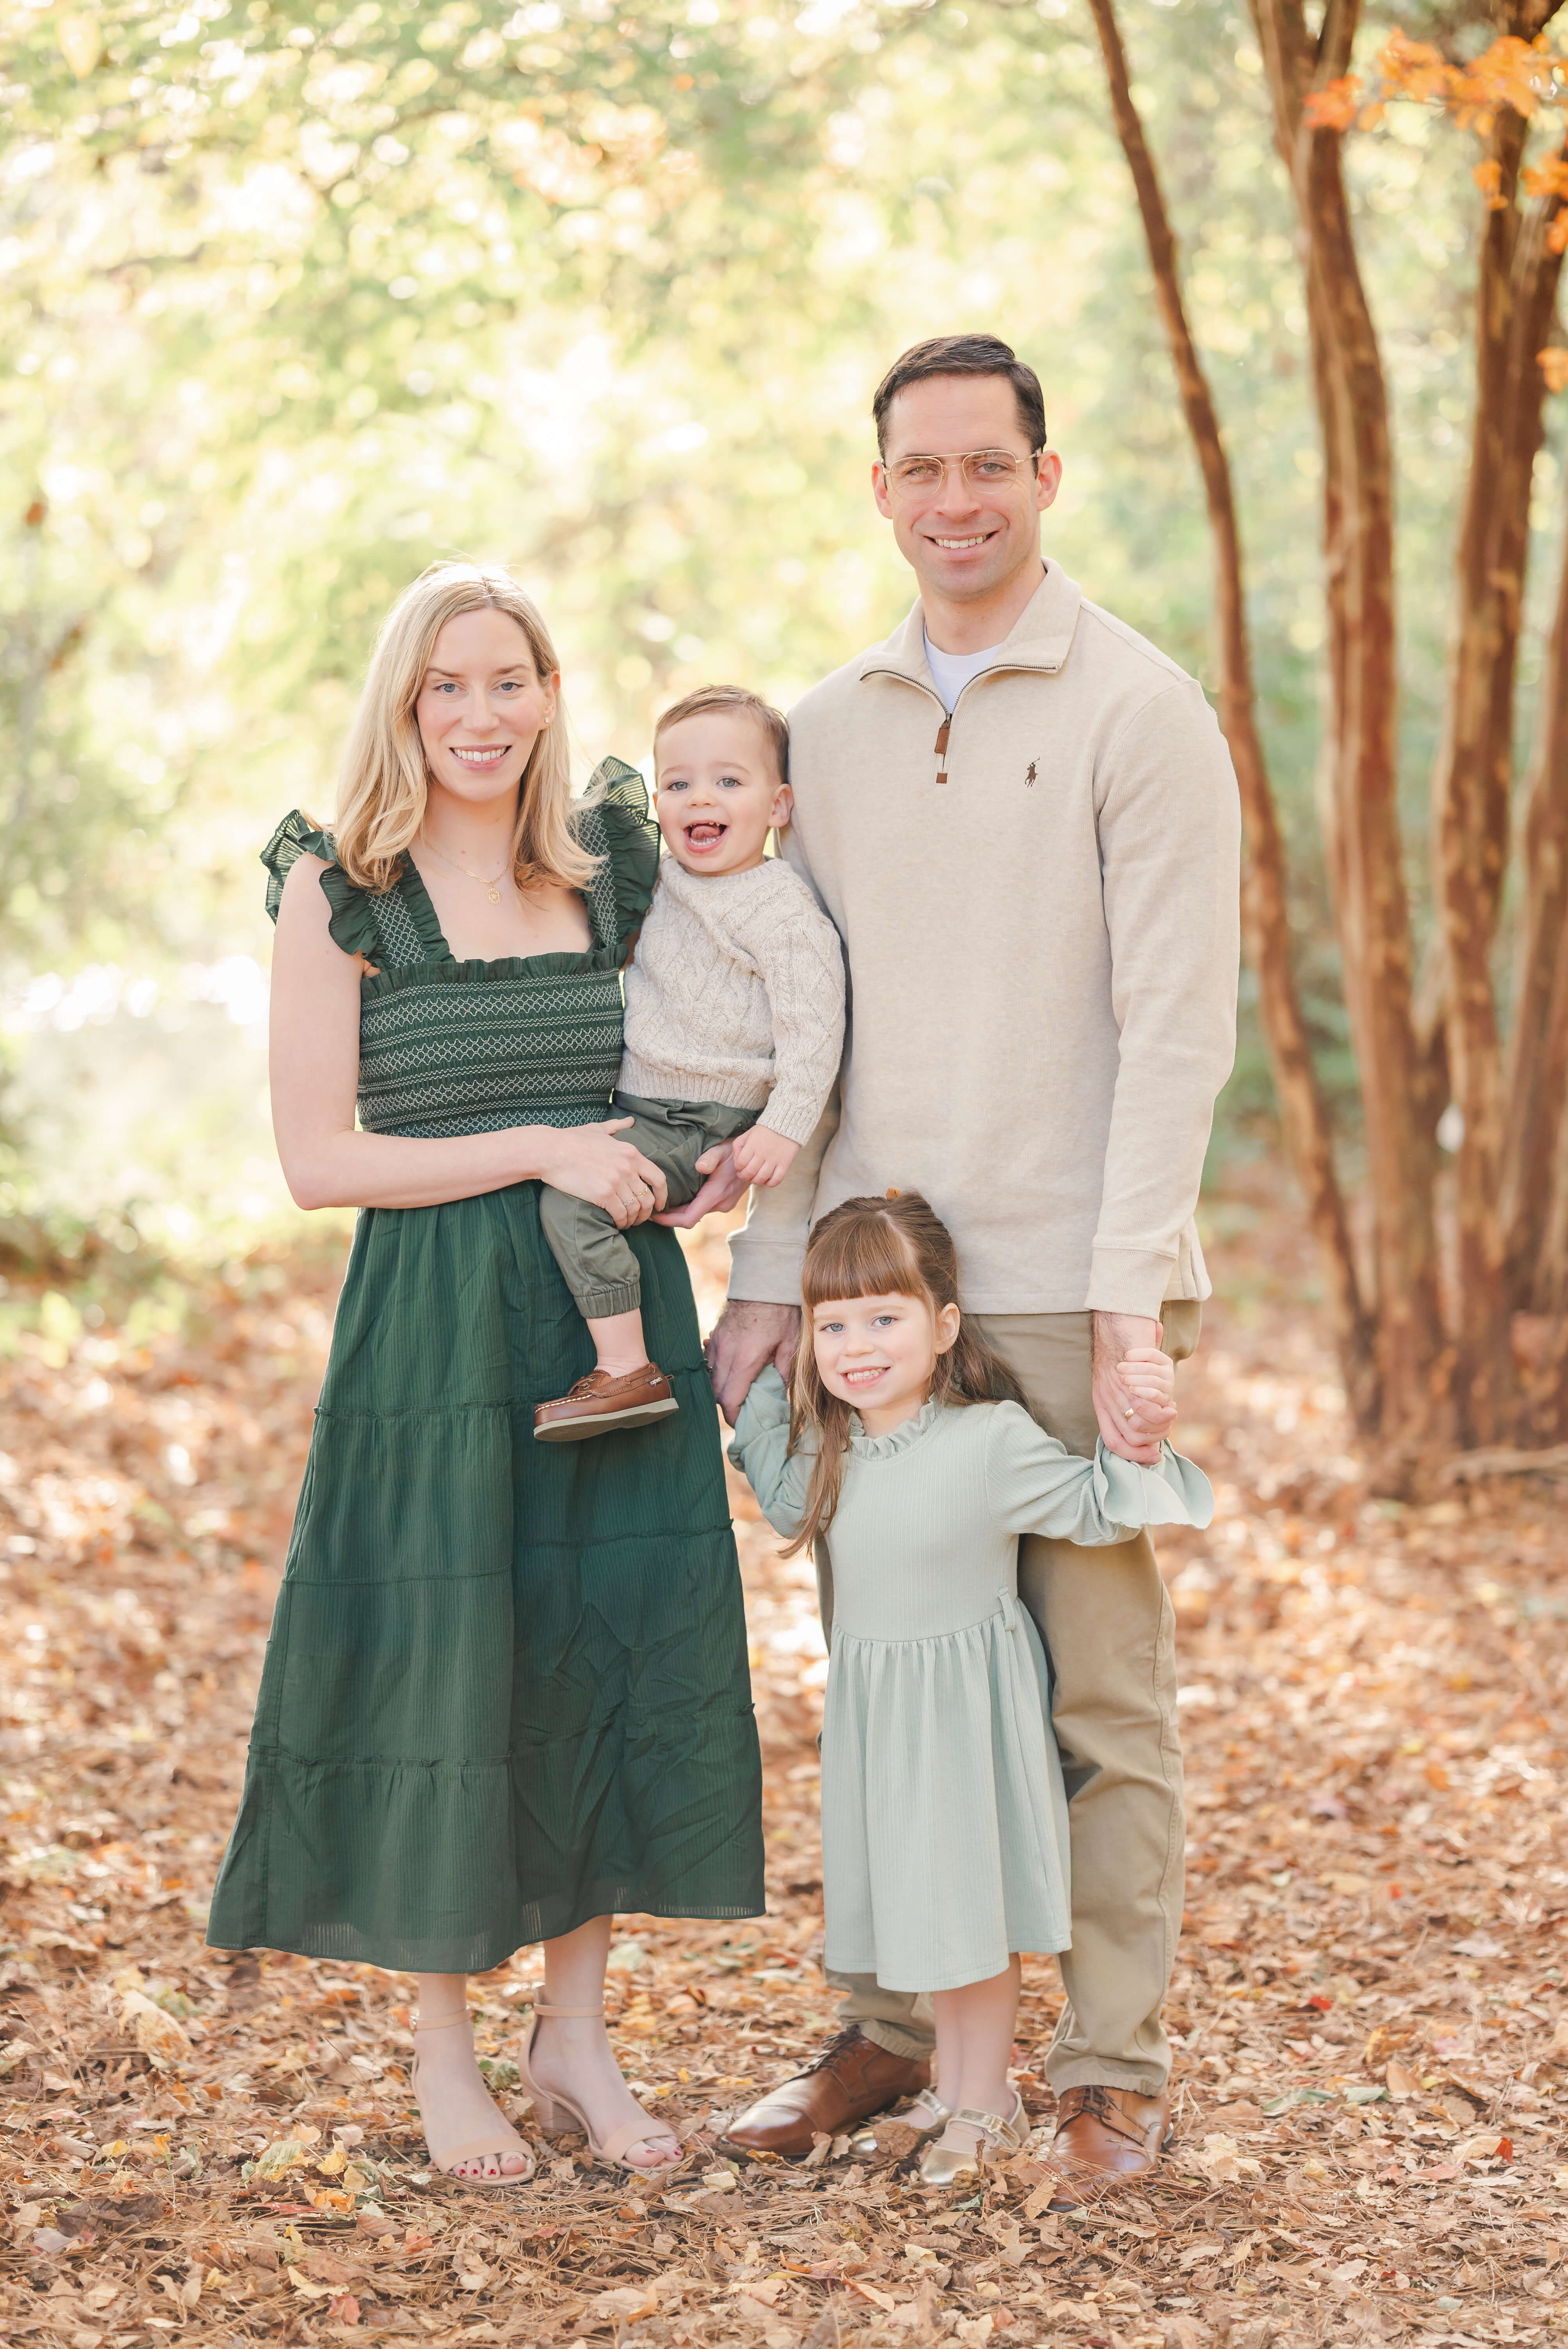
<point x="160" y="2037"/>
<point x="868" y="2292"/>
<point x="1223" y="2161"/>
<point x="626" y="2302"/>
<point x="275" y="2160"/>
<point x="307" y="2288"/>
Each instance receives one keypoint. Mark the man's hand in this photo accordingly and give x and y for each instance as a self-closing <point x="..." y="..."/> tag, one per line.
<point x="747" y="1337"/>
<point x="723" y="1185"/>
<point x="763" y="1156"/>
<point x="1133" y="1419"/>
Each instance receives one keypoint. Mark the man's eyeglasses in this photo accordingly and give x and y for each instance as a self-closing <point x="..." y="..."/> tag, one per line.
<point x="983" y="468"/>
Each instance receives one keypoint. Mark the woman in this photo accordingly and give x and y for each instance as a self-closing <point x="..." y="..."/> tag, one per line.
<point x="506" y="1692"/>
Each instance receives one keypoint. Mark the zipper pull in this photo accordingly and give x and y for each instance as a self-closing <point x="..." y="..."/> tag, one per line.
<point x="941" y="733"/>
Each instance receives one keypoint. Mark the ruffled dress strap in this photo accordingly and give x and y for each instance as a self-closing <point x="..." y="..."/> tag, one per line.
<point x="614" y="824"/>
<point x="351" y="923"/>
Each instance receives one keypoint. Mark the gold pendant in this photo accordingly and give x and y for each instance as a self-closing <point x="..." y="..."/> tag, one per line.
<point x="494" y="895"/>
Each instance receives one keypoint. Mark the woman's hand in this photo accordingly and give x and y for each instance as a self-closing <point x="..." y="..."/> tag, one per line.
<point x="588" y="1161"/>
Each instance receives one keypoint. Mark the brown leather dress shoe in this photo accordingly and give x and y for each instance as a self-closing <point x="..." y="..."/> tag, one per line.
<point x="602" y="1404"/>
<point x="851" y="2079"/>
<point x="1105" y="2138"/>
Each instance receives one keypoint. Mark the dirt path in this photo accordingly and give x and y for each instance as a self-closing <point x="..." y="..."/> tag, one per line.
<point x="1372" y="2042"/>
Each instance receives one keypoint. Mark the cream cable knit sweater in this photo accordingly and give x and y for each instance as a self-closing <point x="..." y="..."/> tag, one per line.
<point x="736" y="994"/>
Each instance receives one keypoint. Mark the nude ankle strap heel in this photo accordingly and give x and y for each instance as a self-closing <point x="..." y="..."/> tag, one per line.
<point x="559" y="2116"/>
<point x="445" y="2157"/>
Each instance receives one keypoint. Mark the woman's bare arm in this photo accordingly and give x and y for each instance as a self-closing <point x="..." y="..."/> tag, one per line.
<point x="328" y="1162"/>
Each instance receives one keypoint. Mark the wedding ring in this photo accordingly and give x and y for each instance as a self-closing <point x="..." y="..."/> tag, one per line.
<point x="1128" y="1412"/>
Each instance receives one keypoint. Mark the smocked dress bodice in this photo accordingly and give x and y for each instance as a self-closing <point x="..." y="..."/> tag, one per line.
<point x="450" y="1047"/>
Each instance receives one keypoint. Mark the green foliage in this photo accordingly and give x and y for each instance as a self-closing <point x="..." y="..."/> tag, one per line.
<point x="294" y="304"/>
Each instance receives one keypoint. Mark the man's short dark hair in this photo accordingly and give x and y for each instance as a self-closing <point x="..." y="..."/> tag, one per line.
<point x="964" y="355"/>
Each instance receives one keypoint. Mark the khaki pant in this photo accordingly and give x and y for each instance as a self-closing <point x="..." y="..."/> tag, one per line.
<point x="1110" y="1631"/>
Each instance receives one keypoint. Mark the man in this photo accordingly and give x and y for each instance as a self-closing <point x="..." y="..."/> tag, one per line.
<point x="1023" y="820"/>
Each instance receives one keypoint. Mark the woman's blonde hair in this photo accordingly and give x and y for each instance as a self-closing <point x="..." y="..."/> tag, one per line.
<point x="383" y="783"/>
<point x="896" y="1246"/>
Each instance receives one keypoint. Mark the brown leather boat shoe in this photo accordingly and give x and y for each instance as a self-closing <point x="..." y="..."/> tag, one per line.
<point x="851" y="2079"/>
<point x="602" y="1404"/>
<point x="1105" y="2138"/>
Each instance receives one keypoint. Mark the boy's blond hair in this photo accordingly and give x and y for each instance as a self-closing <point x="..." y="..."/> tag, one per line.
<point x="383" y="783"/>
<point x="706" y="697"/>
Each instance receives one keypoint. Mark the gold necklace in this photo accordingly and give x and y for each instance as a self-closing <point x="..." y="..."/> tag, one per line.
<point x="487" y="885"/>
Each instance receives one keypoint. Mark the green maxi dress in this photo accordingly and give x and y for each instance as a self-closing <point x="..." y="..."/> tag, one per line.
<point x="506" y="1689"/>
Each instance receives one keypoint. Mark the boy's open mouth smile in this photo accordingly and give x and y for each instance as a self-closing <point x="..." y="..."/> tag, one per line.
<point x="705" y="833"/>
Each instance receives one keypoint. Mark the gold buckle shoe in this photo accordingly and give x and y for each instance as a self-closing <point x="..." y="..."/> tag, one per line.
<point x="948" y="2165"/>
<point x="926" y="2117"/>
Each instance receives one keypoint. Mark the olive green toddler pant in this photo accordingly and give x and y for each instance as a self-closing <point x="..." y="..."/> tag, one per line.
<point x="1109" y="1628"/>
<point x="586" y="1242"/>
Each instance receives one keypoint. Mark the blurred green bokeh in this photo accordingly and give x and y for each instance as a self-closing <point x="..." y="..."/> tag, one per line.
<point x="293" y="308"/>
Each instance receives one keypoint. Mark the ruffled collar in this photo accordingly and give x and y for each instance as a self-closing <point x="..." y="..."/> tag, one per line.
<point x="887" y="1447"/>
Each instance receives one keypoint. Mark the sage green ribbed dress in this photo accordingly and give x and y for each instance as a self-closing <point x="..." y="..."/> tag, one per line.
<point x="945" y="1826"/>
<point x="507" y="1686"/>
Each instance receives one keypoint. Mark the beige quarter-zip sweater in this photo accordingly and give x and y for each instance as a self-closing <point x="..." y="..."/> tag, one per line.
<point x="1038" y="900"/>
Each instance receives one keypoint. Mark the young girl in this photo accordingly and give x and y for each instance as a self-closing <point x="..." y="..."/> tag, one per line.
<point x="905" y="1442"/>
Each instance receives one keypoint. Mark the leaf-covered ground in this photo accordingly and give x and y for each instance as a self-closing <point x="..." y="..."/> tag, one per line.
<point x="1373" y="2045"/>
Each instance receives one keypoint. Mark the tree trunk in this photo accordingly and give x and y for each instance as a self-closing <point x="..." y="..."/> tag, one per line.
<point x="1516" y="293"/>
<point x="1264" y="913"/>
<point x="1373" y="907"/>
<point x="1534" y="1152"/>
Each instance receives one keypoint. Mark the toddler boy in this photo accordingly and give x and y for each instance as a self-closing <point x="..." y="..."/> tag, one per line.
<point x="735" y="1025"/>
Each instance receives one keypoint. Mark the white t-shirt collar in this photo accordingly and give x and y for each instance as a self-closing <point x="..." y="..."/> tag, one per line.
<point x="953" y="671"/>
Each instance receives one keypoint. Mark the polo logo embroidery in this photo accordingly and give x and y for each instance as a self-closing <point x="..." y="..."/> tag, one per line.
<point x="1031" y="777"/>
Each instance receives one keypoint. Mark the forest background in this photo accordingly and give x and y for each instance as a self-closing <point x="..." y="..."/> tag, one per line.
<point x="292" y="308"/>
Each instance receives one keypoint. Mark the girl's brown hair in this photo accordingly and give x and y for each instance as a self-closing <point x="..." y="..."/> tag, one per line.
<point x="896" y="1246"/>
<point x="382" y="784"/>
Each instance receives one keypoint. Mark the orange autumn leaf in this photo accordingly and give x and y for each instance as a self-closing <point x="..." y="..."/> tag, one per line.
<point x="1524" y="76"/>
<point x="1553" y="365"/>
<point x="1557" y="234"/>
<point x="1547" y="179"/>
<point x="1415" y="70"/>
<point x="1488" y="176"/>
<point x="1332" y="107"/>
<point x="1514" y="73"/>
